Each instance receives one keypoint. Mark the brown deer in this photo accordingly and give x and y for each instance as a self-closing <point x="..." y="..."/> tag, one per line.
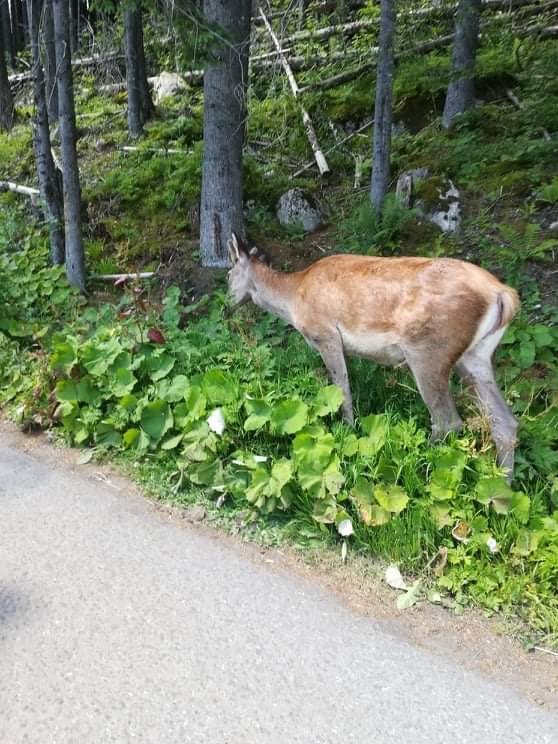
<point x="433" y="314"/>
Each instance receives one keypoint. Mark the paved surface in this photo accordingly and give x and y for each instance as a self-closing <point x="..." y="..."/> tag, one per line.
<point x="119" y="626"/>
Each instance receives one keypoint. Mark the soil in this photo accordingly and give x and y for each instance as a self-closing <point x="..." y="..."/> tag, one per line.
<point x="471" y="640"/>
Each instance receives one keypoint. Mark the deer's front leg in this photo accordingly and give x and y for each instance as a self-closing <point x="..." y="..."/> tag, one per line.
<point x="331" y="351"/>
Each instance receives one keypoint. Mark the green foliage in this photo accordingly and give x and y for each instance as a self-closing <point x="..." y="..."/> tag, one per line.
<point x="363" y="231"/>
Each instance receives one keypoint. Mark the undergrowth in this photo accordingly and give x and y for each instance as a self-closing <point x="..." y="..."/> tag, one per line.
<point x="239" y="411"/>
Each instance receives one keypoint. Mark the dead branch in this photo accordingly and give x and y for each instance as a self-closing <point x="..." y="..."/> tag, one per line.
<point x="306" y="120"/>
<point x="22" y="77"/>
<point x="335" y="146"/>
<point x="348" y="75"/>
<point x="157" y="150"/>
<point x="16" y="188"/>
<point x="115" y="277"/>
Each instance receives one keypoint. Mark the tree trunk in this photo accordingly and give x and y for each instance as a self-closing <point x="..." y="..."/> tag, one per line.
<point x="225" y="86"/>
<point x="383" y="107"/>
<point x="50" y="62"/>
<point x="6" y="98"/>
<point x="7" y="40"/>
<point x="75" y="258"/>
<point x="51" y="193"/>
<point x="140" y="106"/>
<point x="461" y="91"/>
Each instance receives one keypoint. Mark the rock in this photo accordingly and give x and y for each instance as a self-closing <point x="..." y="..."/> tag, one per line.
<point x="553" y="226"/>
<point x="295" y="209"/>
<point x="406" y="183"/>
<point x="448" y="216"/>
<point x="167" y="84"/>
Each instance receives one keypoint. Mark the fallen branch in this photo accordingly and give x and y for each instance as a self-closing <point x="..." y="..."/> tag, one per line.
<point x="115" y="277"/>
<point x="321" y="162"/>
<point x="157" y="150"/>
<point x="334" y="147"/>
<point x="518" y="105"/>
<point x="16" y="188"/>
<point x="345" y="77"/>
<point x="22" y="77"/>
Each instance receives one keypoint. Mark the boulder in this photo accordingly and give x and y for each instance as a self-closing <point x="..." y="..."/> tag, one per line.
<point x="296" y="209"/>
<point x="166" y="84"/>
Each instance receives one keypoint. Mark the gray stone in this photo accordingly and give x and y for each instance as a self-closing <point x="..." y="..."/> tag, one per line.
<point x="167" y="84"/>
<point x="295" y="209"/>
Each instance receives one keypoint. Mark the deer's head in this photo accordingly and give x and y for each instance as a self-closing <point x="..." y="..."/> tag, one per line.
<point x="241" y="275"/>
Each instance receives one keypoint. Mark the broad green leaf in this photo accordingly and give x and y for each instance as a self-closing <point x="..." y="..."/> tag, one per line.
<point x="375" y="428"/>
<point x="520" y="505"/>
<point x="129" y="402"/>
<point x="289" y="416"/>
<point x="66" y="390"/>
<point x="259" y="413"/>
<point x="131" y="437"/>
<point x="123" y="382"/>
<point x="333" y="478"/>
<point x="369" y="511"/>
<point x="494" y="491"/>
<point x="392" y="498"/>
<point x="209" y="473"/>
<point x="177" y="389"/>
<point x="328" y="400"/>
<point x="527" y="542"/>
<point x="218" y="386"/>
<point x="98" y="356"/>
<point x="107" y="436"/>
<point x="159" y="365"/>
<point x="156" y="419"/>
<point x="350" y="445"/>
<point x="440" y="513"/>
<point x="172" y="442"/>
<point x="192" y="409"/>
<point x="325" y="511"/>
<point x="281" y="473"/>
<point x="64" y="356"/>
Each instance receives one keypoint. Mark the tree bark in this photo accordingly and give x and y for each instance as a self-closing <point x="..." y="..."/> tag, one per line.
<point x="140" y="105"/>
<point x="75" y="257"/>
<point x="6" y="98"/>
<point x="381" y="149"/>
<point x="7" y="41"/>
<point x="50" y="62"/>
<point x="225" y="86"/>
<point x="461" y="90"/>
<point x="50" y="187"/>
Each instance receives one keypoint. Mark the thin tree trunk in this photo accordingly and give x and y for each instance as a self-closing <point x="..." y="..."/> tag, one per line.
<point x="50" y="62"/>
<point x="51" y="194"/>
<point x="225" y="86"/>
<point x="6" y="98"/>
<point x="383" y="108"/>
<point x="461" y="90"/>
<point x="75" y="258"/>
<point x="7" y="40"/>
<point x="140" y="106"/>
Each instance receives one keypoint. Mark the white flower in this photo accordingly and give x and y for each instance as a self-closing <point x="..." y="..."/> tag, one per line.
<point x="492" y="545"/>
<point x="216" y="421"/>
<point x="345" y="528"/>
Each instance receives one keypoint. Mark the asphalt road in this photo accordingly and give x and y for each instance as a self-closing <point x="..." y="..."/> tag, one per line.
<point x="119" y="626"/>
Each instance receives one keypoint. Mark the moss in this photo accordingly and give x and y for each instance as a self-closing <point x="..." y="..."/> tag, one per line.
<point x="428" y="191"/>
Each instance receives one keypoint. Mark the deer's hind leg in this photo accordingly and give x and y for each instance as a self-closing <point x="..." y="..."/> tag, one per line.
<point x="432" y="372"/>
<point x="475" y="367"/>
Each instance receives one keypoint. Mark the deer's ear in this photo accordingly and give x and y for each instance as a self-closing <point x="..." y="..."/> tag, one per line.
<point x="237" y="250"/>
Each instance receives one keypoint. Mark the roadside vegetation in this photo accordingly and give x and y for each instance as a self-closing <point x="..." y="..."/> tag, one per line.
<point x="235" y="411"/>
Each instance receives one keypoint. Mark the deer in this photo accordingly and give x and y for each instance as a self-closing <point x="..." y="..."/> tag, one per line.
<point x="432" y="314"/>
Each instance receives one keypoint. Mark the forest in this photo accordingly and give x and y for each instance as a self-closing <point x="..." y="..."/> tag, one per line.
<point x="136" y="137"/>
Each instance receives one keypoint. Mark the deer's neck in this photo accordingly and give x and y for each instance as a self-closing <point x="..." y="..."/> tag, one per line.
<point x="274" y="291"/>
